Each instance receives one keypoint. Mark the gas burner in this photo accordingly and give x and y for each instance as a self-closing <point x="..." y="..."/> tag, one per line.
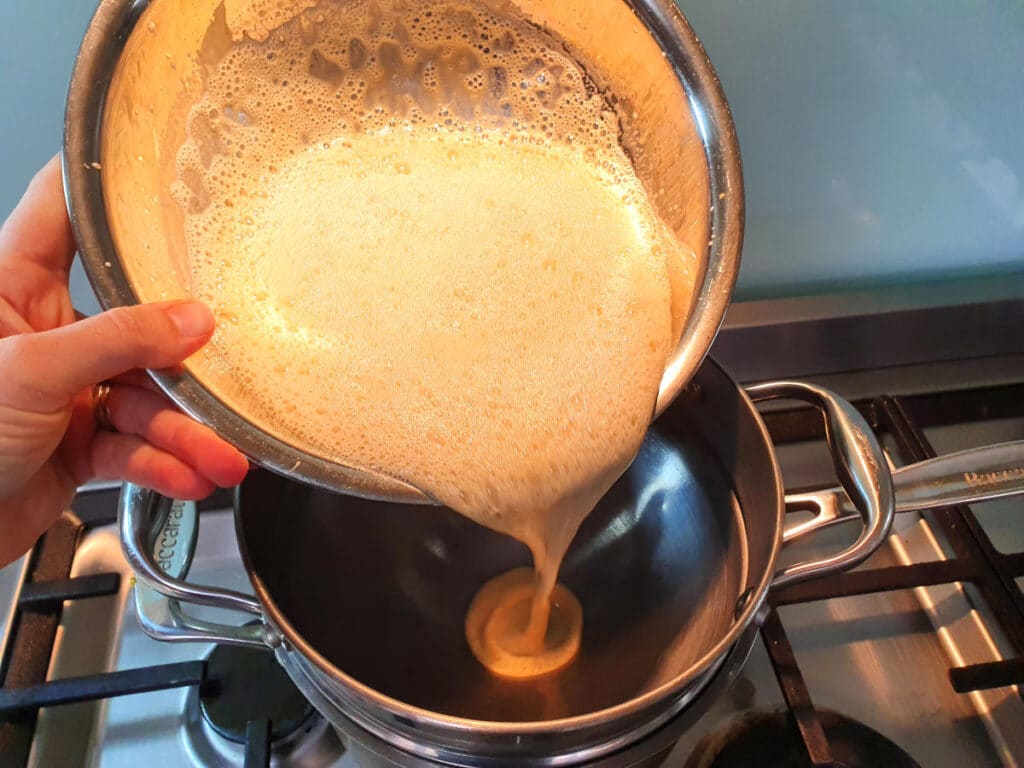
<point x="772" y="739"/>
<point x="244" y="686"/>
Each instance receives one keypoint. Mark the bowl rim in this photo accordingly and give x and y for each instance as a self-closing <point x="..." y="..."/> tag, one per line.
<point x="94" y="70"/>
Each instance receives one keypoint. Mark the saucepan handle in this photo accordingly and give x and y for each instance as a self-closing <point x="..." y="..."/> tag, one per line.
<point x="965" y="477"/>
<point x="158" y="536"/>
<point x="860" y="466"/>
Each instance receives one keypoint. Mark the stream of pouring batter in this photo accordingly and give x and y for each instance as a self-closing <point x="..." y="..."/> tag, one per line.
<point x="481" y="307"/>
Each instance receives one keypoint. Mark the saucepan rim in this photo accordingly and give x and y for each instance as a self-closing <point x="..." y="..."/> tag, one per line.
<point x="666" y="692"/>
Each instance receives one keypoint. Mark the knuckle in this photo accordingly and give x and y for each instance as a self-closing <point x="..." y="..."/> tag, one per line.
<point x="17" y="359"/>
<point x="129" y="326"/>
<point x="124" y="323"/>
<point x="104" y="458"/>
<point x="180" y="437"/>
<point x="14" y="351"/>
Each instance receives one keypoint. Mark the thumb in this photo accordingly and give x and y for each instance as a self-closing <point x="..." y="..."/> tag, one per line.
<point x="56" y="365"/>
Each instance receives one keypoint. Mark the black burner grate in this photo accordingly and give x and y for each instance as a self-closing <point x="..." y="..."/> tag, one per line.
<point x="25" y="659"/>
<point x="976" y="560"/>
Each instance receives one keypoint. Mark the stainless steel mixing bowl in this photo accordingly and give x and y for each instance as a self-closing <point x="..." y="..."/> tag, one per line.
<point x="139" y="72"/>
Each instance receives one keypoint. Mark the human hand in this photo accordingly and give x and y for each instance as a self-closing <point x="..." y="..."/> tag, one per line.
<point x="50" y="362"/>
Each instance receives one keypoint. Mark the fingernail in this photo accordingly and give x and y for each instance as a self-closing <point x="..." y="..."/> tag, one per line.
<point x="192" y="318"/>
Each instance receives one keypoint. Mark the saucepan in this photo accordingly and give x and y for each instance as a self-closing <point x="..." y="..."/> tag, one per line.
<point x="141" y="69"/>
<point x="672" y="569"/>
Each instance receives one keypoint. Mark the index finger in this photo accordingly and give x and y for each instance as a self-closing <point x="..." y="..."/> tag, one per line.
<point x="38" y="230"/>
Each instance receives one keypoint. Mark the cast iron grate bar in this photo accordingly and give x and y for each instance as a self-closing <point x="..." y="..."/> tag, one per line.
<point x="103" y="686"/>
<point x="26" y="656"/>
<point x="1014" y="564"/>
<point x="879" y="580"/>
<point x="994" y="674"/>
<point x="257" y="744"/>
<point x="793" y="425"/>
<point x="96" y="507"/>
<point x="59" y="590"/>
<point x="795" y="692"/>
<point x="966" y="405"/>
<point x="961" y="528"/>
<point x="976" y="560"/>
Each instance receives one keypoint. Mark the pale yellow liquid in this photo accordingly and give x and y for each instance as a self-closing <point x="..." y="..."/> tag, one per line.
<point x="485" y="315"/>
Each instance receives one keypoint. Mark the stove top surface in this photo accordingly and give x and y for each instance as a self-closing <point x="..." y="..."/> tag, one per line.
<point x="874" y="647"/>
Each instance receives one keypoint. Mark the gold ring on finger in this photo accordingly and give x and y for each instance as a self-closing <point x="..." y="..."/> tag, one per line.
<point x="101" y="407"/>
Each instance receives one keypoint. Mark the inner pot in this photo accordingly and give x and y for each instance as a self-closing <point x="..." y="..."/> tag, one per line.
<point x="669" y="569"/>
<point x="142" y="69"/>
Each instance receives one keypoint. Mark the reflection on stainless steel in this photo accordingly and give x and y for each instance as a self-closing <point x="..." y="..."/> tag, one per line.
<point x="876" y="658"/>
<point x="156" y="729"/>
<point x="698" y="590"/>
<point x="139" y="514"/>
<point x="317" y="746"/>
<point x="99" y="485"/>
<point x="75" y="730"/>
<point x="11" y="578"/>
<point x="966" y="639"/>
<point x="965" y="477"/>
<point x="861" y="468"/>
<point x="161" y="584"/>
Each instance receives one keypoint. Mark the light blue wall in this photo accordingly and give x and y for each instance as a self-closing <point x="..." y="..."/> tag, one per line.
<point x="881" y="140"/>
<point x="38" y="43"/>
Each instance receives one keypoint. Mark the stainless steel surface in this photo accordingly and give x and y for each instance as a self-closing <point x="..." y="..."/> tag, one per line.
<point x="644" y="52"/>
<point x="367" y="749"/>
<point x="291" y="533"/>
<point x="965" y="477"/>
<point x="139" y="512"/>
<point x="965" y="324"/>
<point x="11" y="577"/>
<point x="153" y="729"/>
<point x="87" y="641"/>
<point x="162" y="618"/>
<point x="876" y="658"/>
<point x="861" y="468"/>
<point x="883" y="658"/>
<point x="966" y="637"/>
<point x="98" y="485"/>
<point x="964" y="625"/>
<point x="161" y="585"/>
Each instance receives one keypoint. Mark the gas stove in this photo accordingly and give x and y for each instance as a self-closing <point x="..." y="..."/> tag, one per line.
<point x="914" y="658"/>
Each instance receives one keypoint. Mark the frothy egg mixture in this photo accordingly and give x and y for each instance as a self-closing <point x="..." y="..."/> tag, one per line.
<point x="419" y="285"/>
